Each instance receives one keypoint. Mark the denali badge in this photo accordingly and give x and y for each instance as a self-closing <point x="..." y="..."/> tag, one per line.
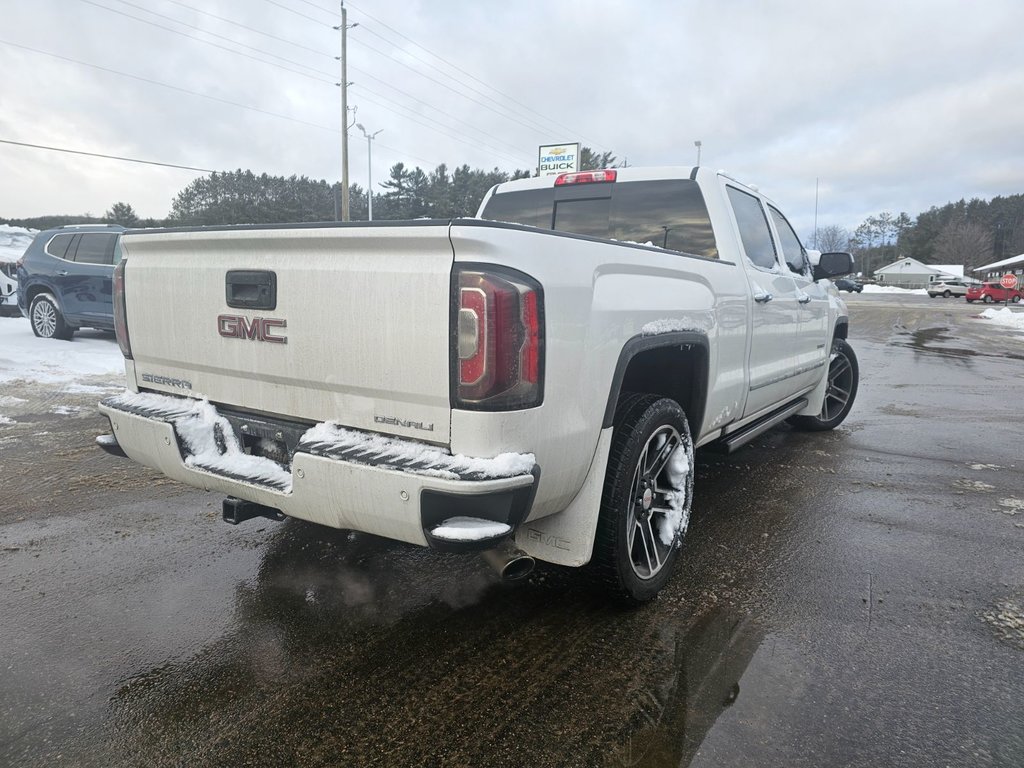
<point x="257" y="329"/>
<point x="403" y="423"/>
<point x="166" y="381"/>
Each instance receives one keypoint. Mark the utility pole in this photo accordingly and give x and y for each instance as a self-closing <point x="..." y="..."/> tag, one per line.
<point x="815" y="213"/>
<point x="697" y="144"/>
<point x="343" y="28"/>
<point x="369" y="167"/>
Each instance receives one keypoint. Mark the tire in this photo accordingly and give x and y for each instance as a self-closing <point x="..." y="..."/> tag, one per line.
<point x="946" y="294"/>
<point x="987" y="298"/>
<point x="637" y="512"/>
<point x="843" y="379"/>
<point x="970" y="301"/>
<point x="1015" y="299"/>
<point x="46" y="319"/>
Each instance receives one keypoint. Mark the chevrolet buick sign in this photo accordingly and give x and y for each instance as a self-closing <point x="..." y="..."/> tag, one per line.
<point x="558" y="158"/>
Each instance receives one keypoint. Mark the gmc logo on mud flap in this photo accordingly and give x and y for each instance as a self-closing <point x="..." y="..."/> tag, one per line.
<point x="257" y="329"/>
<point x="547" y="540"/>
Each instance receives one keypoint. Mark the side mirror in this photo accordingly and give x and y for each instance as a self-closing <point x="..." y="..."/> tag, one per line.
<point x="833" y="265"/>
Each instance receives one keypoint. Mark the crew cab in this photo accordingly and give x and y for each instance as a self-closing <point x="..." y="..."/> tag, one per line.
<point x="530" y="383"/>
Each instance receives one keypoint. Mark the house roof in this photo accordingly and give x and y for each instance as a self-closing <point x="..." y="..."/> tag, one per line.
<point x="908" y="261"/>
<point x="1019" y="259"/>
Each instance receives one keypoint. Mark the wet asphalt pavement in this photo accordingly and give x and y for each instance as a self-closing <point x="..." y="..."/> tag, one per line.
<point x="849" y="598"/>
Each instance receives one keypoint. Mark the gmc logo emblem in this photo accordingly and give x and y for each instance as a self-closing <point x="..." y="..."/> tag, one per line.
<point x="257" y="329"/>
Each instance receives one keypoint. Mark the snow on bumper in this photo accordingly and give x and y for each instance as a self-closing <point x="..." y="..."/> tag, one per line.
<point x="338" y="477"/>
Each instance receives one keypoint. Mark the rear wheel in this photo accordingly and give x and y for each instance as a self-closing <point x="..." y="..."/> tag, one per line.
<point x="648" y="490"/>
<point x="840" y="391"/>
<point x="1015" y="299"/>
<point x="47" y="320"/>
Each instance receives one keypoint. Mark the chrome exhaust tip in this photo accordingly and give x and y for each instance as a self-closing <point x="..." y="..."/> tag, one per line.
<point x="509" y="562"/>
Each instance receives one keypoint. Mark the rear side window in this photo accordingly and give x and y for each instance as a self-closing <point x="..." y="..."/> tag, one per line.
<point x="531" y="207"/>
<point x="668" y="213"/>
<point x="58" y="245"/>
<point x="96" y="249"/>
<point x="754" y="232"/>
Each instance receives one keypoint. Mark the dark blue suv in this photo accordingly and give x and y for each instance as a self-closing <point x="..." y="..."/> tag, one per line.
<point x="65" y="279"/>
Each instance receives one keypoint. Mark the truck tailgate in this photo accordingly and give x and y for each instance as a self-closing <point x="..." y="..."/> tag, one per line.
<point x="358" y="334"/>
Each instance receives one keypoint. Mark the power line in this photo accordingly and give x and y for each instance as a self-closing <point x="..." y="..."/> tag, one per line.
<point x="297" y="13"/>
<point x="459" y="69"/>
<point x="208" y="42"/>
<point x="108" y="157"/>
<point x="251" y="29"/>
<point x="218" y="36"/>
<point x="532" y="127"/>
<point x="197" y="93"/>
<point x="168" y="85"/>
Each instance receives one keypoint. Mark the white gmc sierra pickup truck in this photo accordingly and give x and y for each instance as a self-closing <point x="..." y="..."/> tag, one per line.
<point x="528" y="384"/>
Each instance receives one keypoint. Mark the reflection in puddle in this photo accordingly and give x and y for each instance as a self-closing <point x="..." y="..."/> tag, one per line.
<point x="934" y="341"/>
<point x="697" y="680"/>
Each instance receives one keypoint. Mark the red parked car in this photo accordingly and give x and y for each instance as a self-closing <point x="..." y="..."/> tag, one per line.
<point x="992" y="292"/>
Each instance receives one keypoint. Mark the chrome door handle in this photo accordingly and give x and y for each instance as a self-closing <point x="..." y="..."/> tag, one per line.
<point x="804" y="298"/>
<point x="763" y="298"/>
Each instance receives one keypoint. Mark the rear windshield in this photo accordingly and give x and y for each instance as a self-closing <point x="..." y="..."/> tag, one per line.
<point x="669" y="213"/>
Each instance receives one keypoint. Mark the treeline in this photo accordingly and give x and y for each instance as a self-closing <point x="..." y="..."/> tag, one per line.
<point x="243" y="197"/>
<point x="969" y="232"/>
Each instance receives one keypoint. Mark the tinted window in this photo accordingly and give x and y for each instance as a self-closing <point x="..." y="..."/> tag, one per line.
<point x="754" y="232"/>
<point x="58" y="246"/>
<point x="531" y="207"/>
<point x="793" y="252"/>
<point x="96" y="249"/>
<point x="670" y="213"/>
<point x="584" y="217"/>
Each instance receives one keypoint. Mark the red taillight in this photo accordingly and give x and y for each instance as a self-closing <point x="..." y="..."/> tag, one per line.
<point x="120" y="311"/>
<point x="585" y="177"/>
<point x="499" y="338"/>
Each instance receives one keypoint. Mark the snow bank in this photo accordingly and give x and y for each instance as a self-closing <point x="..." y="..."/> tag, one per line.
<point x="14" y="241"/>
<point x="25" y="357"/>
<point x="1005" y="317"/>
<point x="893" y="289"/>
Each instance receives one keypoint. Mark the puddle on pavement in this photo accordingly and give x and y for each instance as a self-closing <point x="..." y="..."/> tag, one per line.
<point x="703" y="672"/>
<point x="934" y="341"/>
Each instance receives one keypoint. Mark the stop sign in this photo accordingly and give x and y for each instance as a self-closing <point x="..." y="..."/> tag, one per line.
<point x="1008" y="281"/>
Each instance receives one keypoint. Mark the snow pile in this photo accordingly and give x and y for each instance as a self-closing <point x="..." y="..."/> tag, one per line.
<point x="209" y="439"/>
<point x="25" y="357"/>
<point x="869" y="288"/>
<point x="1005" y="317"/>
<point x="469" y="529"/>
<point x="673" y="523"/>
<point x="14" y="241"/>
<point x="412" y="456"/>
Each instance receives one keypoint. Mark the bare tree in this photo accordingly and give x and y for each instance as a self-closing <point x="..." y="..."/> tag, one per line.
<point x="833" y="238"/>
<point x="966" y="242"/>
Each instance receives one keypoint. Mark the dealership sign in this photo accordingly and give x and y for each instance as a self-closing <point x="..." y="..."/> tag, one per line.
<point x="558" y="158"/>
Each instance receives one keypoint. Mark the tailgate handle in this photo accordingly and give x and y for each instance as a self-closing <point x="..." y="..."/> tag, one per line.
<point x="251" y="289"/>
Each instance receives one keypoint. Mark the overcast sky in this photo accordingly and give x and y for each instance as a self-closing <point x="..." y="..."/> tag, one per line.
<point x="894" y="106"/>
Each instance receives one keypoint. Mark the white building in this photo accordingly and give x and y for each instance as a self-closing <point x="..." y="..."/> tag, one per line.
<point x="997" y="269"/>
<point x="911" y="273"/>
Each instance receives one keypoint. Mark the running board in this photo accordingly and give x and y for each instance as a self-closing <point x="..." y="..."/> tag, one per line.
<point x="736" y="440"/>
